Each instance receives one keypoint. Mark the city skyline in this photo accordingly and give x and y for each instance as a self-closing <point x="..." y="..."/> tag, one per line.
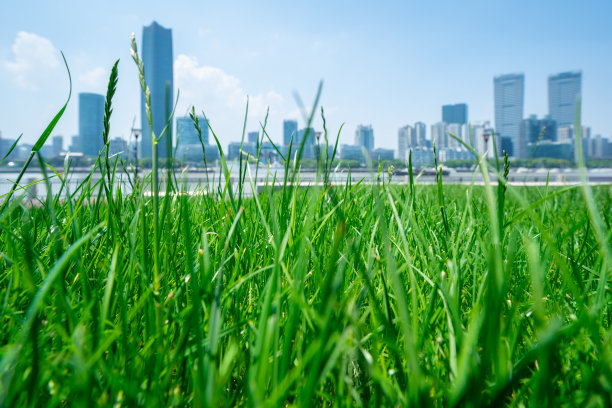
<point x="215" y="69"/>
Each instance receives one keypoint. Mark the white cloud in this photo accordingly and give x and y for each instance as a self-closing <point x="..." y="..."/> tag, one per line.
<point x="94" y="78"/>
<point x="32" y="56"/>
<point x="205" y="86"/>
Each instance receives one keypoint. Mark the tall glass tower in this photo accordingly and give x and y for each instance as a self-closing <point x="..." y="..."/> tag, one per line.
<point x="509" y="93"/>
<point x="290" y="128"/>
<point x="187" y="133"/>
<point x="157" y="59"/>
<point x="563" y="89"/>
<point x="364" y="136"/>
<point x="456" y="113"/>
<point x="91" y="123"/>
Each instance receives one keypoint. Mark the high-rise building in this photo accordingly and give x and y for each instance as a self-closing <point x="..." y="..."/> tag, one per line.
<point x="253" y="138"/>
<point x="91" y="123"/>
<point x="457" y="130"/>
<point x="187" y="134"/>
<point x="457" y="113"/>
<point x="533" y="131"/>
<point x="118" y="146"/>
<point x="75" y="144"/>
<point x="382" y="154"/>
<point x="482" y="137"/>
<point x="157" y="60"/>
<point x="563" y="89"/>
<point x="308" y="136"/>
<point x="509" y="101"/>
<point x="351" y="152"/>
<point x="58" y="145"/>
<point x="364" y="136"/>
<point x="439" y="135"/>
<point x="420" y="130"/>
<point x="290" y="128"/>
<point x="403" y="136"/>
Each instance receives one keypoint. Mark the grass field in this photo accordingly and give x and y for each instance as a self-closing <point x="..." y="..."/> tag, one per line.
<point x="365" y="295"/>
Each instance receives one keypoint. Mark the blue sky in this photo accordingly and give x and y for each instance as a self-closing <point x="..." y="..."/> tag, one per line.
<point x="383" y="63"/>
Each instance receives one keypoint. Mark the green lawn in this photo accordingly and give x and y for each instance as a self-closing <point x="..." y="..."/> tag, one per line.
<point x="356" y="295"/>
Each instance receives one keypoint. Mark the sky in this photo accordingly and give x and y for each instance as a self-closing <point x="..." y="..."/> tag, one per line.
<point x="387" y="63"/>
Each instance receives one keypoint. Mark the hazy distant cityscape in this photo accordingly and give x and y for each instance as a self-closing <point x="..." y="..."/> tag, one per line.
<point x="521" y="136"/>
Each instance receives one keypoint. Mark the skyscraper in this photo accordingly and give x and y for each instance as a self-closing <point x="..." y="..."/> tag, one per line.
<point x="456" y="113"/>
<point x="290" y="128"/>
<point x="91" y="123"/>
<point x="439" y="135"/>
<point x="364" y="136"/>
<point x="253" y="137"/>
<point x="481" y="135"/>
<point x="533" y="131"/>
<point x="58" y="145"/>
<point x="509" y="101"/>
<point x="187" y="134"/>
<point x="404" y="135"/>
<point x="563" y="89"/>
<point x="309" y="144"/>
<point x="157" y="59"/>
<point x="420" y="130"/>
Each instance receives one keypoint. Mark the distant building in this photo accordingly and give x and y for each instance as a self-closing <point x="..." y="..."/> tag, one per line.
<point x="58" y="145"/>
<point x="420" y="130"/>
<point x="46" y="151"/>
<point x="565" y="133"/>
<point x="509" y="102"/>
<point x="382" y="154"/>
<point x="233" y="151"/>
<point x="482" y="137"/>
<point x="253" y="137"/>
<point x="552" y="150"/>
<point x="268" y="153"/>
<point x="351" y="152"/>
<point x="439" y="135"/>
<point x="118" y="146"/>
<point x="421" y="156"/>
<point x="457" y="130"/>
<point x="508" y="147"/>
<point x="187" y="134"/>
<point x="403" y="135"/>
<point x="600" y="148"/>
<point x="75" y="144"/>
<point x="307" y="134"/>
<point x="457" y="113"/>
<point x="290" y="128"/>
<point x="91" y="123"/>
<point x="157" y="60"/>
<point x="212" y="154"/>
<point x="456" y="153"/>
<point x="563" y="90"/>
<point x="533" y="131"/>
<point x="364" y="136"/>
<point x="5" y="146"/>
<point x="22" y="151"/>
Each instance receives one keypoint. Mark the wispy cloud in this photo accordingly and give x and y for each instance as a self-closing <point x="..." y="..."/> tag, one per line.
<point x="94" y="78"/>
<point x="206" y="86"/>
<point x="32" y="56"/>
